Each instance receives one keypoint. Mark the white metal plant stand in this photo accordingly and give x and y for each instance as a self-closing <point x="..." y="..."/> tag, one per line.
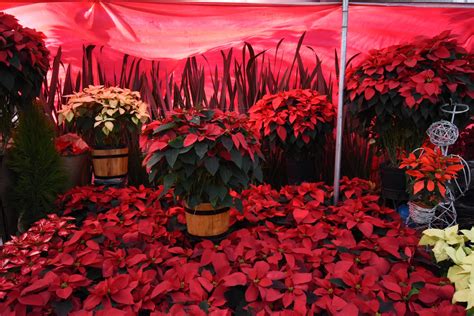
<point x="444" y="134"/>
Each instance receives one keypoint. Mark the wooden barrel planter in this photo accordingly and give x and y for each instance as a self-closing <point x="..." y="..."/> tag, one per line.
<point x="110" y="163"/>
<point x="77" y="169"/>
<point x="206" y="221"/>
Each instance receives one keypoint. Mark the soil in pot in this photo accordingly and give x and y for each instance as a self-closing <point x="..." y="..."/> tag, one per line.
<point x="206" y="221"/>
<point x="393" y="181"/>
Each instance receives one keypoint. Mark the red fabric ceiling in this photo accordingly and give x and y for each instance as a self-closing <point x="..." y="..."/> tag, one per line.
<point x="172" y="32"/>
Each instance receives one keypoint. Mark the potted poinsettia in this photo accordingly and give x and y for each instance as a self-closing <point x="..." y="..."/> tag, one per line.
<point x="395" y="94"/>
<point x="296" y="121"/>
<point x="105" y="117"/>
<point x="202" y="154"/>
<point x="24" y="62"/>
<point x="74" y="153"/>
<point x="429" y="174"/>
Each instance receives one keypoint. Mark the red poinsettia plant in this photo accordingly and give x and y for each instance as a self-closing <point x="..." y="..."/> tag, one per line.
<point x="396" y="92"/>
<point x="128" y="256"/>
<point x="294" y="120"/>
<point x="430" y="172"/>
<point x="202" y="154"/>
<point x="24" y="59"/>
<point x="71" y="144"/>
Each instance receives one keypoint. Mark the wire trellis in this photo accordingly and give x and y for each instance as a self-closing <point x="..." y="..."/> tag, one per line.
<point x="443" y="134"/>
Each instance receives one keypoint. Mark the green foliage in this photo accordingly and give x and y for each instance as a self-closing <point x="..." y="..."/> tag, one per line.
<point x="202" y="154"/>
<point x="37" y="173"/>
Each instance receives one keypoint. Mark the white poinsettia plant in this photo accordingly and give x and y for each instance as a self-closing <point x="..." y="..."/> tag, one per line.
<point x="105" y="115"/>
<point x="458" y="247"/>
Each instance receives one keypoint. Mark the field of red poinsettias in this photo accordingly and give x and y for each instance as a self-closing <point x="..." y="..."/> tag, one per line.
<point x="124" y="251"/>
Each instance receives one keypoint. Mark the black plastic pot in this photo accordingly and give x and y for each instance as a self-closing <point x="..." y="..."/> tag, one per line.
<point x="299" y="171"/>
<point x="394" y="185"/>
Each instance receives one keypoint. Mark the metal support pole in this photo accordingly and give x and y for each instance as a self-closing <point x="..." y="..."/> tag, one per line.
<point x="340" y="99"/>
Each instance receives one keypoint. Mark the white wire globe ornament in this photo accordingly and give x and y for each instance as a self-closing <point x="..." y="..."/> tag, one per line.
<point x="443" y="133"/>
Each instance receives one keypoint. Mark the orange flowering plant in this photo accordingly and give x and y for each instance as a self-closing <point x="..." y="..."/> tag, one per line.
<point x="429" y="172"/>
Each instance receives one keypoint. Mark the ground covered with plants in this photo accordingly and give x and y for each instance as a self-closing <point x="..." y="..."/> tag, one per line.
<point x="289" y="253"/>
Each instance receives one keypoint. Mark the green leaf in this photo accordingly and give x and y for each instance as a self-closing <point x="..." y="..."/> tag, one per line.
<point x="239" y="205"/>
<point x="228" y="143"/>
<point x="152" y="175"/>
<point x="171" y="156"/>
<point x="62" y="308"/>
<point x="185" y="149"/>
<point x="225" y="174"/>
<point x="154" y="159"/>
<point x="338" y="282"/>
<point x="164" y="127"/>
<point x="236" y="157"/>
<point x="258" y="174"/>
<point x="188" y="159"/>
<point x="212" y="165"/>
<point x="196" y="120"/>
<point x="200" y="149"/>
<point x="168" y="182"/>
<point x="177" y="142"/>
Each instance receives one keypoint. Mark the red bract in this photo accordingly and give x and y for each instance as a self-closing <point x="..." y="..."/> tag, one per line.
<point x="429" y="172"/>
<point x="128" y="255"/>
<point x="292" y="119"/>
<point x="24" y="58"/>
<point x="71" y="145"/>
<point x="396" y="92"/>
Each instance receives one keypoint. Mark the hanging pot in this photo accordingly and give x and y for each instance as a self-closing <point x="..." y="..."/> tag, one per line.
<point x="393" y="183"/>
<point x="77" y="169"/>
<point x="110" y="163"/>
<point x="299" y="171"/>
<point x="206" y="221"/>
<point x="420" y="214"/>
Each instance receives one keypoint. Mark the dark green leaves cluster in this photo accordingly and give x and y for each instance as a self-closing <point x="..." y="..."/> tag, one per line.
<point x="206" y="170"/>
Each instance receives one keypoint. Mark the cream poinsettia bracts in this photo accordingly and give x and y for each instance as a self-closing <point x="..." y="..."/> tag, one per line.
<point x="109" y="105"/>
<point x="449" y="244"/>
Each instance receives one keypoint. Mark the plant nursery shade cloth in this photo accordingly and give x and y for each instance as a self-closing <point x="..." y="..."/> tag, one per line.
<point x="171" y="32"/>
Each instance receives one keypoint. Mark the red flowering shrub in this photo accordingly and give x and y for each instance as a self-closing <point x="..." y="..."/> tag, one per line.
<point x="289" y="254"/>
<point x="202" y="154"/>
<point x="70" y="144"/>
<point x="292" y="120"/>
<point x="24" y="58"/>
<point x="396" y="92"/>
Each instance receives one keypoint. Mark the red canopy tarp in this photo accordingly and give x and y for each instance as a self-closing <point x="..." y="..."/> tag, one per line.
<point x="170" y="32"/>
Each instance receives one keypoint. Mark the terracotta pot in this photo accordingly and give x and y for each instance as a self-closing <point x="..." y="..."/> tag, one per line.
<point x="110" y="163"/>
<point x="206" y="221"/>
<point x="77" y="169"/>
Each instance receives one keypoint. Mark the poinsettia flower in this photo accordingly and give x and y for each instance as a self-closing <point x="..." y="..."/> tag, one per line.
<point x="296" y="286"/>
<point x="64" y="284"/>
<point x="116" y="288"/>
